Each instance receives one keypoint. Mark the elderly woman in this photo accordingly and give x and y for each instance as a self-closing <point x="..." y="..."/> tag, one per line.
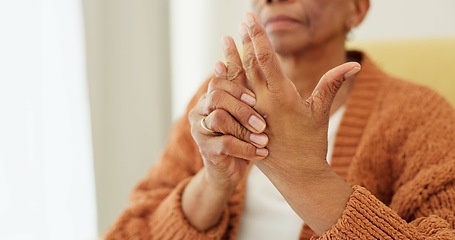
<point x="273" y="151"/>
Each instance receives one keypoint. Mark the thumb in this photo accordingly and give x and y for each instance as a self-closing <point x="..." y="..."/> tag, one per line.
<point x="322" y="97"/>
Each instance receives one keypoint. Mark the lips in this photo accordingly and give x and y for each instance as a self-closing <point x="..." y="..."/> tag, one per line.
<point x="280" y="18"/>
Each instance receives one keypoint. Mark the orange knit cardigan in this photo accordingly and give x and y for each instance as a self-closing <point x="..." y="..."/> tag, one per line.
<point x="395" y="145"/>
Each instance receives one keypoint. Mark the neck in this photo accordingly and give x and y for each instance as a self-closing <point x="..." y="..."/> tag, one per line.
<point x="307" y="67"/>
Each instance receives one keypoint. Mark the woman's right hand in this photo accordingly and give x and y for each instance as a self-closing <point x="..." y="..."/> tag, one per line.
<point x="228" y="131"/>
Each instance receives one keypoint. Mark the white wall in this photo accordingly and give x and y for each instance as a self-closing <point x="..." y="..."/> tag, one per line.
<point x="129" y="80"/>
<point x="197" y="27"/>
<point x="46" y="170"/>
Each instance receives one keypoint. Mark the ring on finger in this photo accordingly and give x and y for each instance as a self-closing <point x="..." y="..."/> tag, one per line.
<point x="205" y="127"/>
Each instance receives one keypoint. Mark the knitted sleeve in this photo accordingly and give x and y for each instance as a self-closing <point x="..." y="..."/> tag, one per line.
<point x="365" y="217"/>
<point x="423" y="203"/>
<point x="155" y="209"/>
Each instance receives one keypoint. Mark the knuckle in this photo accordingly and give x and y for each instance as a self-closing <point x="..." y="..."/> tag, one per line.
<point x="249" y="61"/>
<point x="333" y="80"/>
<point x="214" y="84"/>
<point x="213" y="99"/>
<point x="201" y="107"/>
<point x="219" y="119"/>
<point x="221" y="146"/>
<point x="191" y="115"/>
<point x="333" y="88"/>
<point x="256" y="33"/>
<point x="201" y="100"/>
<point x="264" y="57"/>
<point x="233" y="88"/>
<point x="226" y="144"/>
<point x="230" y="52"/>
<point x="241" y="111"/>
<point x="194" y="132"/>
<point x="248" y="150"/>
<point x="216" y="95"/>
<point x="234" y="71"/>
<point x="337" y="82"/>
<point x="243" y="133"/>
<point x="194" y="112"/>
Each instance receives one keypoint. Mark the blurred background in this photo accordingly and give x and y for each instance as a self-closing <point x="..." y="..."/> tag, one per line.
<point x="89" y="90"/>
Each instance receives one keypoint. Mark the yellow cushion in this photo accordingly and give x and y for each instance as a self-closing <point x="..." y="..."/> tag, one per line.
<point x="429" y="62"/>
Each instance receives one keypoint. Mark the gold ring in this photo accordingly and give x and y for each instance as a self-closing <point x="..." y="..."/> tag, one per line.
<point x="205" y="127"/>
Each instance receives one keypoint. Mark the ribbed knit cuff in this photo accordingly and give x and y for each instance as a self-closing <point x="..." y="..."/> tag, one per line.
<point x="365" y="217"/>
<point x="169" y="221"/>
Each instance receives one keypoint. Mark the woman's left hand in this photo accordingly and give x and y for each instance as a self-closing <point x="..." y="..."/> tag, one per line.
<point x="297" y="131"/>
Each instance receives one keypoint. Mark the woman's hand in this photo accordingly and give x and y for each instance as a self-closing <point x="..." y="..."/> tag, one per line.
<point x="297" y="128"/>
<point x="229" y="133"/>
<point x="297" y="131"/>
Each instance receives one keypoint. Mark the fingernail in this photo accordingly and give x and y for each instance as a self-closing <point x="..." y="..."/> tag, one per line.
<point x="226" y="43"/>
<point x="259" y="139"/>
<point x="242" y="30"/>
<point x="248" y="99"/>
<point x="256" y="123"/>
<point x="250" y="20"/>
<point x="352" y="72"/>
<point x="218" y="69"/>
<point x="263" y="152"/>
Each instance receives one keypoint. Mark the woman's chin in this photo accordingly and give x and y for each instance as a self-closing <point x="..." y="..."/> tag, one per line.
<point x="284" y="46"/>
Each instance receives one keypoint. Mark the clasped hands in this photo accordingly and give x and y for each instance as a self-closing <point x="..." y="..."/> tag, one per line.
<point x="253" y="112"/>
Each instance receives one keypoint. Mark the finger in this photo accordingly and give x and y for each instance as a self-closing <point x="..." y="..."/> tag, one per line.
<point x="265" y="54"/>
<point x="243" y="113"/>
<point x="217" y="145"/>
<point x="194" y="114"/>
<point x="231" y="146"/>
<point x="236" y="90"/>
<point x="250" y="64"/>
<point x="233" y="61"/>
<point x="222" y="122"/>
<point x="322" y="97"/>
<point x="220" y="70"/>
<point x="207" y="130"/>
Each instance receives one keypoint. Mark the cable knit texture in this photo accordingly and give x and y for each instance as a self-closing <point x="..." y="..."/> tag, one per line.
<point x="395" y="146"/>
